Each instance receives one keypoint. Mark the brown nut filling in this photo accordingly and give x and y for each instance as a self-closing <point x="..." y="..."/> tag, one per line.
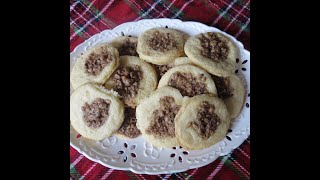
<point x="223" y="86"/>
<point x="128" y="48"/>
<point x="96" y="113"/>
<point x="187" y="84"/>
<point x="96" y="62"/>
<point x="126" y="81"/>
<point x="213" y="47"/>
<point x="162" y="123"/>
<point x="207" y="121"/>
<point x="162" y="41"/>
<point x="162" y="69"/>
<point x="129" y="127"/>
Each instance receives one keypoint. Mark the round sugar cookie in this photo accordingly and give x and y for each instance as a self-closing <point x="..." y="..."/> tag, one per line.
<point x="213" y="52"/>
<point x="201" y="122"/>
<point x="134" y="80"/>
<point x="95" y="112"/>
<point x="160" y="45"/>
<point x="95" y="65"/>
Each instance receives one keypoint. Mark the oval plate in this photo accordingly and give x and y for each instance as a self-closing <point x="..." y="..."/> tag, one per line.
<point x="141" y="157"/>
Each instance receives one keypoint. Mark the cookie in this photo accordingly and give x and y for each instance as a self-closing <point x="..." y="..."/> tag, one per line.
<point x="156" y="114"/>
<point x="160" y="45"/>
<point x="213" y="52"/>
<point x="232" y="92"/>
<point x="201" y="122"/>
<point x="128" y="129"/>
<point x="134" y="80"/>
<point x="126" y="45"/>
<point x="95" y="65"/>
<point x="189" y="80"/>
<point x="95" y="112"/>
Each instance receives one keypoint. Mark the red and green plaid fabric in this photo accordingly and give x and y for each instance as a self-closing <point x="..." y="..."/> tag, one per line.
<point x="88" y="17"/>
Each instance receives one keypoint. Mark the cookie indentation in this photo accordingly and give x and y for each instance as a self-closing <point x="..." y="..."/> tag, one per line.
<point x="162" y="123"/>
<point x="96" y="62"/>
<point x="127" y="80"/>
<point x="96" y="113"/>
<point x="207" y="121"/>
<point x="187" y="84"/>
<point x="162" y="41"/>
<point x="213" y="47"/>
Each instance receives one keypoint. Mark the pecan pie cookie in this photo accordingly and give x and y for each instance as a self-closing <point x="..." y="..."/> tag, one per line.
<point x="126" y="45"/>
<point x="134" y="80"/>
<point x="189" y="80"/>
<point x="231" y="91"/>
<point x="213" y="52"/>
<point x="160" y="45"/>
<point x="156" y="114"/>
<point x="95" y="65"/>
<point x="95" y="112"/>
<point x="202" y="121"/>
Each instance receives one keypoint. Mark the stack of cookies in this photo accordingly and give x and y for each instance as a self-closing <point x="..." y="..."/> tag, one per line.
<point x="169" y="89"/>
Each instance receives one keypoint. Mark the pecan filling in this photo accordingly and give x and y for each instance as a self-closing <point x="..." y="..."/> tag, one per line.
<point x="96" y="62"/>
<point x="187" y="84"/>
<point x="128" y="48"/>
<point x="162" y="41"/>
<point x="162" y="123"/>
<point x="96" y="113"/>
<point x="207" y="121"/>
<point x="126" y="81"/>
<point x="223" y="86"/>
<point x="213" y="47"/>
<point x="129" y="127"/>
<point x="162" y="69"/>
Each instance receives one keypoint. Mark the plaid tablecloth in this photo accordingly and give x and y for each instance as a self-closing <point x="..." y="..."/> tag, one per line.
<point x="88" y="17"/>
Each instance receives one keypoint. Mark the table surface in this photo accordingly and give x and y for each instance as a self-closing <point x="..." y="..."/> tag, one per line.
<point x="88" y="17"/>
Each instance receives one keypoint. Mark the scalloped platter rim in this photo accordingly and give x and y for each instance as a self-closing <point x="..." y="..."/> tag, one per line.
<point x="141" y="157"/>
